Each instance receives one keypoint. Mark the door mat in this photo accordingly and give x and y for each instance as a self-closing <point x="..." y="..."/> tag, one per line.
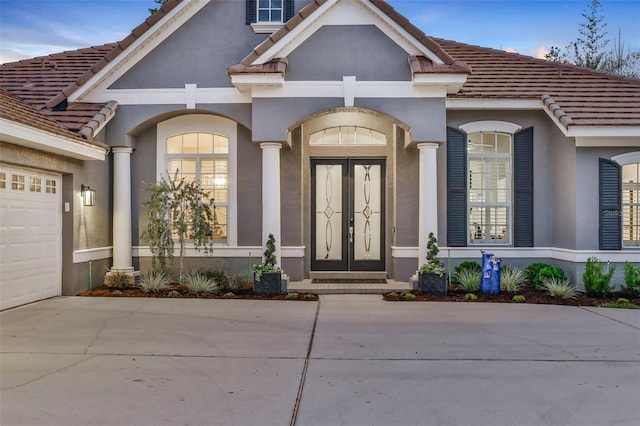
<point x="348" y="281"/>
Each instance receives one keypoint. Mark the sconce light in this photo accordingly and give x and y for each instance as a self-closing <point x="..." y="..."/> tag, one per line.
<point x="88" y="196"/>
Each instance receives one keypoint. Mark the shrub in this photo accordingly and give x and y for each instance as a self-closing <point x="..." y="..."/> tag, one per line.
<point x="511" y="279"/>
<point x="549" y="272"/>
<point x="199" y="284"/>
<point x="531" y="272"/>
<point x="519" y="298"/>
<point x="229" y="295"/>
<point x="393" y="295"/>
<point x="560" y="288"/>
<point x="631" y="288"/>
<point x="469" y="279"/>
<point x="292" y="295"/>
<point x="408" y="296"/>
<point x="470" y="265"/>
<point x="622" y="303"/>
<point x="596" y="282"/>
<point x="154" y="281"/>
<point x="470" y="296"/>
<point x="119" y="280"/>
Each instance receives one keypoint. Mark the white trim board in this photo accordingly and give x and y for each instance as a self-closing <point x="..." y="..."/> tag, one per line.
<point x="581" y="256"/>
<point x="87" y="255"/>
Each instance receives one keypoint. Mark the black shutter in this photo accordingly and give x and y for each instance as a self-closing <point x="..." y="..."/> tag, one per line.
<point x="610" y="236"/>
<point x="288" y="10"/>
<point x="456" y="188"/>
<point x="523" y="188"/>
<point x="252" y="10"/>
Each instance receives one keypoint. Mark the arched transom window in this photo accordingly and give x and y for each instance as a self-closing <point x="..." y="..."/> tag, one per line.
<point x="347" y="135"/>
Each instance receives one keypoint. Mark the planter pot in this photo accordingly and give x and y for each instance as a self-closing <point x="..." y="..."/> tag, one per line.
<point x="269" y="284"/>
<point x="435" y="284"/>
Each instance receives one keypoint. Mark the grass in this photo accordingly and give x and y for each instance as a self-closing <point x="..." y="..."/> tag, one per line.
<point x="154" y="281"/>
<point x="560" y="288"/>
<point x="512" y="280"/>
<point x="469" y="279"/>
<point x="199" y="284"/>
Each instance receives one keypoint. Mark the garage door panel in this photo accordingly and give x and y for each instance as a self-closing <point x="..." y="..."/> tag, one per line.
<point x="30" y="239"/>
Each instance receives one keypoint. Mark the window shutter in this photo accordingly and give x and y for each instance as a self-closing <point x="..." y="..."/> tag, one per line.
<point x="523" y="188"/>
<point x="252" y="10"/>
<point x="610" y="235"/>
<point x="288" y="10"/>
<point x="456" y="188"/>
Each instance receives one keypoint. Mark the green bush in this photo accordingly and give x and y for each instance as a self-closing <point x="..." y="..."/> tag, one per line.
<point x="622" y="303"/>
<point x="470" y="296"/>
<point x="408" y="296"/>
<point x="631" y="287"/>
<point x="468" y="265"/>
<point x="596" y="282"/>
<point x="536" y="271"/>
<point x="469" y="279"/>
<point x="519" y="298"/>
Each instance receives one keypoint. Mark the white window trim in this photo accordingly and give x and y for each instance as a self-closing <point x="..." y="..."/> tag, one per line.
<point x="490" y="126"/>
<point x="494" y="126"/>
<point x="625" y="160"/>
<point x="266" y="27"/>
<point x="207" y="124"/>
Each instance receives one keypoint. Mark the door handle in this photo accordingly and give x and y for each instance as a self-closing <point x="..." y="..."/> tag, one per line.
<point x="351" y="234"/>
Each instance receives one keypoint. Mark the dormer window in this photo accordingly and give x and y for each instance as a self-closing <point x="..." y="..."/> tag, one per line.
<point x="267" y="16"/>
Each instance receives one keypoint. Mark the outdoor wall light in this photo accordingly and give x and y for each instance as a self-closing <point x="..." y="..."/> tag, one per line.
<point x="88" y="195"/>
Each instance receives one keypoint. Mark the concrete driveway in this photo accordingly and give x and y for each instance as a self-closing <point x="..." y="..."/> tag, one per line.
<point x="347" y="360"/>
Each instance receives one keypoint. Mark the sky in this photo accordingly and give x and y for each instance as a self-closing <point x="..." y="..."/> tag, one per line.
<point x="30" y="28"/>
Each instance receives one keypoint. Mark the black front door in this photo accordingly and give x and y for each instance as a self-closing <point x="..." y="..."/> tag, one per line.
<point x="347" y="221"/>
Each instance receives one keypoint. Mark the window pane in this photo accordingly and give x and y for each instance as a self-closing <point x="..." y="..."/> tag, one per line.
<point x="3" y="180"/>
<point x="475" y="143"/>
<point x="188" y="166"/>
<point x="378" y="138"/>
<point x="504" y="143"/>
<point x="317" y="138"/>
<point x="263" y="16"/>
<point x="332" y="136"/>
<point x="277" y="4"/>
<point x="221" y="145"/>
<point x="276" y="16"/>
<point x="17" y="182"/>
<point x="348" y="135"/>
<point x="263" y="4"/>
<point x="51" y="186"/>
<point x="631" y="205"/>
<point x="220" y="223"/>
<point x="205" y="143"/>
<point x="35" y="184"/>
<point x="174" y="145"/>
<point x="190" y="143"/>
<point x="488" y="142"/>
<point x="173" y="165"/>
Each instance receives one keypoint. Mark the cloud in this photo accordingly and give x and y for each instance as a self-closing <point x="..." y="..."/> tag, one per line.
<point x="540" y="52"/>
<point x="12" y="55"/>
<point x="510" y="49"/>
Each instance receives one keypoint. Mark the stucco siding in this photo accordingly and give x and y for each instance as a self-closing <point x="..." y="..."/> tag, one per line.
<point x="249" y="190"/>
<point x="335" y="51"/>
<point x="563" y="160"/>
<point x="199" y="52"/>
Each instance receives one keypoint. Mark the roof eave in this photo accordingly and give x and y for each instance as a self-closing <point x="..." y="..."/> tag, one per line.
<point x="23" y="135"/>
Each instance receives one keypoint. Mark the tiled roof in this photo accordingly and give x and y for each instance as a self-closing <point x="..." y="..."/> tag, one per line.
<point x="576" y="96"/>
<point x="13" y="109"/>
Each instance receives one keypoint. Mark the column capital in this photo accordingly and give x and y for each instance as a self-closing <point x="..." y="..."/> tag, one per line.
<point x="431" y="145"/>
<point x="264" y="145"/>
<point x="122" y="150"/>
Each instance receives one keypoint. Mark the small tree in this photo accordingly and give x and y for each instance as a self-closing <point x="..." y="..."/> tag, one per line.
<point x="269" y="261"/>
<point x="433" y="264"/>
<point x="177" y="210"/>
<point x="588" y="48"/>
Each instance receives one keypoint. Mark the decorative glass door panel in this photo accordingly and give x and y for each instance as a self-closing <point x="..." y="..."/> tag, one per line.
<point x="348" y="214"/>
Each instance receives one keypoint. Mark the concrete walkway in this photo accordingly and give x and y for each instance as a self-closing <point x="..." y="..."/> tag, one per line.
<point x="347" y="360"/>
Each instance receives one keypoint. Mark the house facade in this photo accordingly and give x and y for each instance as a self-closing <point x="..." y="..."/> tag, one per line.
<point x="338" y="127"/>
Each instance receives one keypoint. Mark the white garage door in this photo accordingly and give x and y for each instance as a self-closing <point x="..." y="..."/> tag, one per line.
<point x="30" y="236"/>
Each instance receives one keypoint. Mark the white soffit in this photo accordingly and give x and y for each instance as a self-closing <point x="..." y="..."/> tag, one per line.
<point x="346" y="12"/>
<point x="611" y="140"/>
<point x="153" y="37"/>
<point x="22" y="135"/>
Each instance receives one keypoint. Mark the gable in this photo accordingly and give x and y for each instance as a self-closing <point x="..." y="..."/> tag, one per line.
<point x="362" y="51"/>
<point x="198" y="52"/>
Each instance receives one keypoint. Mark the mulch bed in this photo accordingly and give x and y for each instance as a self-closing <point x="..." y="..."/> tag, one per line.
<point x="179" y="291"/>
<point x="532" y="296"/>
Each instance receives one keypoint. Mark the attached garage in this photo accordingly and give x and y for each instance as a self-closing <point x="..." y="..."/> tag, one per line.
<point x="30" y="236"/>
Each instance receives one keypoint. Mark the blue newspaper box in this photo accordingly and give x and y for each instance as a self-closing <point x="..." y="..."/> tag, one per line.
<point x="487" y="269"/>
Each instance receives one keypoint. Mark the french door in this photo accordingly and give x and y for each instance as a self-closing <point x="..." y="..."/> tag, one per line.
<point x="347" y="221"/>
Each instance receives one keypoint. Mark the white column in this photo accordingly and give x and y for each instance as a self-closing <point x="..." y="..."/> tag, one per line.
<point x="122" y="209"/>
<point x="271" y="194"/>
<point x="428" y="200"/>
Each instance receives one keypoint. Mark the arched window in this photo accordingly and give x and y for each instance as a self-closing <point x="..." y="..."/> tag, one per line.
<point x="347" y="135"/>
<point x="203" y="148"/>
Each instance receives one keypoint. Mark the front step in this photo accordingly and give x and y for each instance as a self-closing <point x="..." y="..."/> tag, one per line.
<point x="343" y="275"/>
<point x="306" y="286"/>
